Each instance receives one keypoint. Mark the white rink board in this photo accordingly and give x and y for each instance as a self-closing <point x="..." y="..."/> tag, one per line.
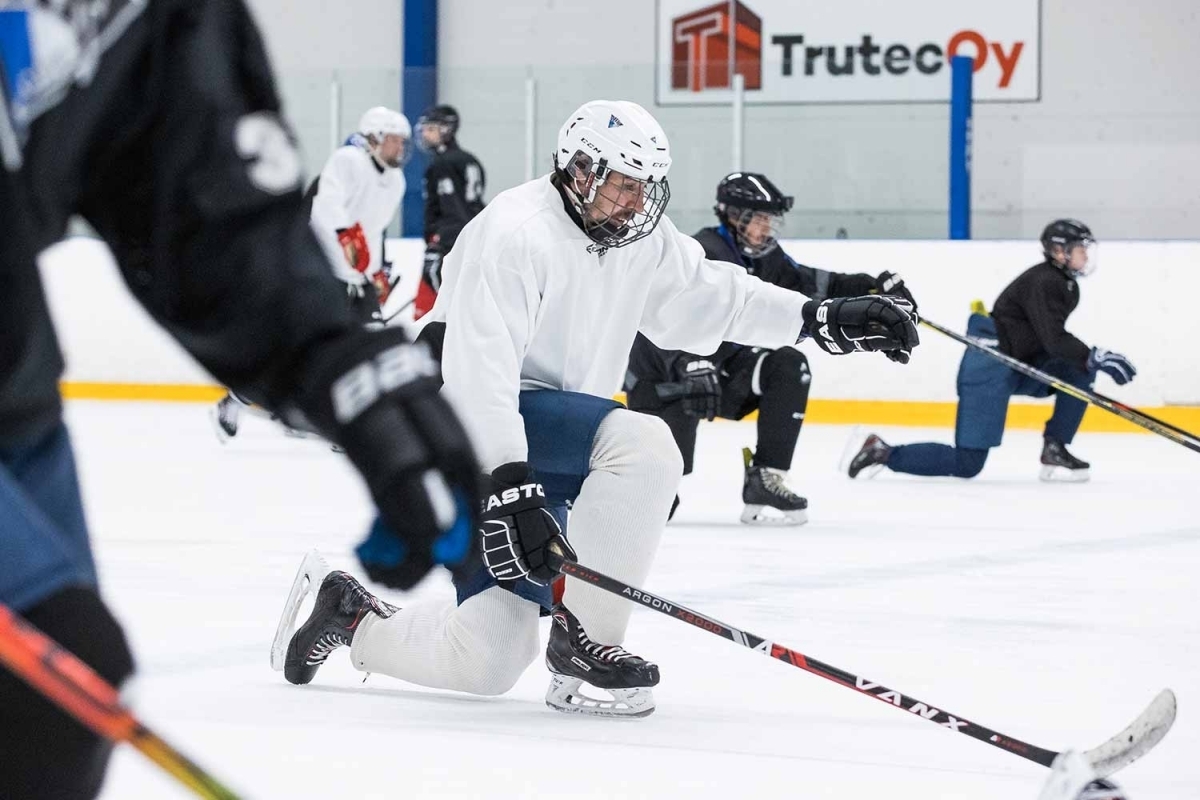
<point x="1130" y="305"/>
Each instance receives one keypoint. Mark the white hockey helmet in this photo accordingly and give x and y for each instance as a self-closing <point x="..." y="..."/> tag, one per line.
<point x="613" y="157"/>
<point x="380" y="122"/>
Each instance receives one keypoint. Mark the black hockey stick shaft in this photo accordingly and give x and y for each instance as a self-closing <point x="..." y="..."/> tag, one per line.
<point x="1164" y="429"/>
<point x="795" y="658"/>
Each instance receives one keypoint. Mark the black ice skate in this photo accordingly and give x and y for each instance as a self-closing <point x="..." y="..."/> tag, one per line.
<point x="1059" y="466"/>
<point x="768" y="499"/>
<point x="573" y="659"/>
<point x="225" y="418"/>
<point x="341" y="604"/>
<point x="871" y="456"/>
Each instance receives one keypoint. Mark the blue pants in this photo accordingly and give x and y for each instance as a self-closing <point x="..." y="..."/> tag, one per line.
<point x="559" y="428"/>
<point x="44" y="545"/>
<point x="985" y="385"/>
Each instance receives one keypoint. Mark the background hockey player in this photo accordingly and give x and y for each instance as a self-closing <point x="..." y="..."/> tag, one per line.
<point x="683" y="388"/>
<point x="543" y="294"/>
<point x="1029" y="324"/>
<point x="355" y="198"/>
<point x="171" y="146"/>
<point x="454" y="185"/>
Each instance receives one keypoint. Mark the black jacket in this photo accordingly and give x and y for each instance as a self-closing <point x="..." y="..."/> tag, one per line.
<point x="454" y="185"/>
<point x="174" y="154"/>
<point x="1031" y="315"/>
<point x="650" y="363"/>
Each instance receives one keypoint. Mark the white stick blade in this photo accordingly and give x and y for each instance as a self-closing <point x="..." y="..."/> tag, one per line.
<point x="1136" y="740"/>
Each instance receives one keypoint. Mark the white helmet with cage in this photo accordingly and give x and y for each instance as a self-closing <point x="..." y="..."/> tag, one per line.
<point x="380" y="122"/>
<point x="613" y="158"/>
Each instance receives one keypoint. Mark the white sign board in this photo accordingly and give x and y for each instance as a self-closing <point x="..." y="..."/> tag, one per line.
<point x="850" y="51"/>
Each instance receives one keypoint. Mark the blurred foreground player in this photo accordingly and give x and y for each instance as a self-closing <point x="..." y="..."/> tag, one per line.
<point x="355" y="198"/>
<point x="158" y="123"/>
<point x="682" y="388"/>
<point x="1029" y="324"/>
<point x="544" y="293"/>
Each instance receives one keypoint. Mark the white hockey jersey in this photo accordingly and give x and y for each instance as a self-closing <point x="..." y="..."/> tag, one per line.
<point x="353" y="188"/>
<point x="527" y="306"/>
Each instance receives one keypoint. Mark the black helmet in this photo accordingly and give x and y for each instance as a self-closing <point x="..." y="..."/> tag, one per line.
<point x="751" y="190"/>
<point x="743" y="195"/>
<point x="442" y="117"/>
<point x="1066" y="234"/>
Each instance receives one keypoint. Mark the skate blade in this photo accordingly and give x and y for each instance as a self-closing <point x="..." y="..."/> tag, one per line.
<point x="850" y="448"/>
<point x="565" y="695"/>
<point x="223" y="436"/>
<point x="767" y="516"/>
<point x="1056" y="474"/>
<point x="308" y="581"/>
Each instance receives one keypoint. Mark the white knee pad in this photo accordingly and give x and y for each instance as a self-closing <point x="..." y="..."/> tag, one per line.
<point x="617" y="521"/>
<point x="482" y="646"/>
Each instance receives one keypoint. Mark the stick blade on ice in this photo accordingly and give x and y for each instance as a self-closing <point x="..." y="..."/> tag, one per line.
<point x="1138" y="738"/>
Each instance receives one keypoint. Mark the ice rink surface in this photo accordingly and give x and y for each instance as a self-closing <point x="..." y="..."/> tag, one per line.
<point x="1051" y="613"/>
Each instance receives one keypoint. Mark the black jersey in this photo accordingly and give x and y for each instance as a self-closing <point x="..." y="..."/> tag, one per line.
<point x="162" y="131"/>
<point x="1031" y="316"/>
<point x="649" y="362"/>
<point x="454" y="185"/>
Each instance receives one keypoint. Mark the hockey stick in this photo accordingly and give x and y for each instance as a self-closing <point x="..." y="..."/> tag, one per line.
<point x="71" y="684"/>
<point x="398" y="311"/>
<point x="1117" y="753"/>
<point x="1164" y="429"/>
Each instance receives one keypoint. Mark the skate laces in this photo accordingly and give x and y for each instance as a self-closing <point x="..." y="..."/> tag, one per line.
<point x="605" y="652"/>
<point x="775" y="482"/>
<point x="325" y="644"/>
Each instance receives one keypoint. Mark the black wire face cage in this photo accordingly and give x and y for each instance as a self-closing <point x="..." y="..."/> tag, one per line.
<point x="741" y="218"/>
<point x="445" y="133"/>
<point x="616" y="210"/>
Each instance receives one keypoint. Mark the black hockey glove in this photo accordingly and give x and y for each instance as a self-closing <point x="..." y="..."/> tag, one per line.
<point x="698" y="387"/>
<point x="875" y="322"/>
<point x="376" y="394"/>
<point x="516" y="527"/>
<point x="890" y="283"/>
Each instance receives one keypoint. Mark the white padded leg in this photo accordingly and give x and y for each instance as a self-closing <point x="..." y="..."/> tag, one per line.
<point x="618" y="519"/>
<point x="481" y="647"/>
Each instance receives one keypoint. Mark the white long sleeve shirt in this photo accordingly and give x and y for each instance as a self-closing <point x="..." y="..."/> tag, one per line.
<point x="354" y="188"/>
<point x="527" y="306"/>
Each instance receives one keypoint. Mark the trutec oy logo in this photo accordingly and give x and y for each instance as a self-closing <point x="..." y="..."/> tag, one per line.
<point x="710" y="45"/>
<point x="799" y="56"/>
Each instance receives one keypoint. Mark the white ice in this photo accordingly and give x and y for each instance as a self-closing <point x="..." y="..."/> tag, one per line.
<point x="1052" y="613"/>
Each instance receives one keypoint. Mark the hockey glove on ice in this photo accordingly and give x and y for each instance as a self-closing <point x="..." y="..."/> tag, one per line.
<point x="875" y="322"/>
<point x="517" y="527"/>
<point x="1117" y="366"/>
<point x="698" y="388"/>
<point x="377" y="395"/>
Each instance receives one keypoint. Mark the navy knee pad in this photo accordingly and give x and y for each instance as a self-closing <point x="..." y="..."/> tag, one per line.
<point x="968" y="462"/>
<point x="47" y="753"/>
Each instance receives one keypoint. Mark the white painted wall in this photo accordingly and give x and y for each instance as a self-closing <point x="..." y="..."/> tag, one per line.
<point x="1114" y="141"/>
<point x="313" y="43"/>
<point x="108" y="338"/>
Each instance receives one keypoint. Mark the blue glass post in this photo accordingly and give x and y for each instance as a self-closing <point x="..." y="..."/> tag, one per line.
<point x="960" y="146"/>
<point x="418" y="92"/>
